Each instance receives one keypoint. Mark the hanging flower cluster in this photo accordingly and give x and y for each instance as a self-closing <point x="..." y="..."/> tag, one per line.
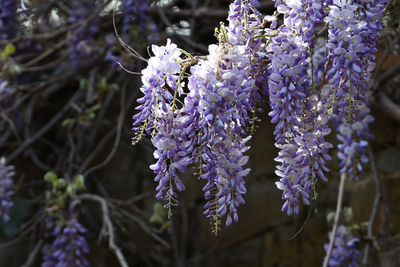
<point x="353" y="31"/>
<point x="8" y="12"/>
<point x="6" y="182"/>
<point x="208" y="129"/>
<point x="344" y="251"/>
<point x="69" y="247"/>
<point x="81" y="12"/>
<point x="309" y="79"/>
<point x="134" y="12"/>
<point x="296" y="104"/>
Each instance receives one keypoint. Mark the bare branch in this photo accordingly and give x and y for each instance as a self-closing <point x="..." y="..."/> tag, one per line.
<point x="206" y="13"/>
<point x="129" y="49"/>
<point x="337" y="217"/>
<point x="183" y="38"/>
<point x="110" y="230"/>
<point x="32" y="256"/>
<point x="44" y="129"/>
<point x="118" y="135"/>
<point x="375" y="206"/>
<point x="145" y="228"/>
<point x="83" y="25"/>
<point x="390" y="73"/>
<point x="385" y="104"/>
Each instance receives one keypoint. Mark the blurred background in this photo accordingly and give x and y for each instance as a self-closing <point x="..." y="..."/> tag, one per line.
<point x="68" y="89"/>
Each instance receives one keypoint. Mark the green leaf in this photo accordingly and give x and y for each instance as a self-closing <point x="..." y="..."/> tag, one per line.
<point x="91" y="115"/>
<point x="103" y="81"/>
<point x="364" y="224"/>
<point x="165" y="225"/>
<point x="80" y="182"/>
<point x="50" y="177"/>
<point x="71" y="189"/>
<point x="156" y="218"/>
<point x="15" y="69"/>
<point x="61" y="183"/>
<point x="61" y="201"/>
<point x="95" y="108"/>
<point x="83" y="83"/>
<point x="158" y="208"/>
<point x="10" y="49"/>
<point x="159" y="214"/>
<point x="330" y="216"/>
<point x="348" y="214"/>
<point x="114" y="86"/>
<point x="68" y="122"/>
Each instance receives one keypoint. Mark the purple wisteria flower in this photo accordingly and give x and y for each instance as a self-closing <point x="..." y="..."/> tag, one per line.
<point x="302" y="16"/>
<point x="6" y="183"/>
<point x="216" y="109"/>
<point x="344" y="252"/>
<point x="80" y="12"/>
<point x="245" y="28"/>
<point x="297" y="104"/>
<point x="287" y="85"/>
<point x="171" y="154"/>
<point x="8" y="19"/>
<point x="134" y="12"/>
<point x="219" y="106"/>
<point x="307" y="90"/>
<point x="160" y="117"/>
<point x="69" y="246"/>
<point x="354" y="28"/>
<point x="160" y="82"/>
<point x="225" y="184"/>
<point x="223" y="112"/>
<point x="309" y="82"/>
<point x="209" y="130"/>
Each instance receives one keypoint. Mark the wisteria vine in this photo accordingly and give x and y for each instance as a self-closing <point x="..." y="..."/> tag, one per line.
<point x="311" y="79"/>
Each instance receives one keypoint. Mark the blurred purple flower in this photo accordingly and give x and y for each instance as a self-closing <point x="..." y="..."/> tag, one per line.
<point x="69" y="246"/>
<point x="6" y="191"/>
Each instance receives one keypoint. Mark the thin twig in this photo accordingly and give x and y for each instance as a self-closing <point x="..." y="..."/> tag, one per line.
<point x="375" y="206"/>
<point x="204" y="13"/>
<point x="27" y="134"/>
<point x="118" y="135"/>
<point x="39" y="36"/>
<point x="390" y="73"/>
<point x="97" y="150"/>
<point x="99" y="119"/>
<point x="60" y="44"/>
<point x="43" y="130"/>
<point x="145" y="227"/>
<point x="385" y="104"/>
<point x="179" y="261"/>
<point x="183" y="38"/>
<point x="25" y="229"/>
<point x="304" y="224"/>
<point x="184" y="235"/>
<point x="33" y="254"/>
<point x="129" y="49"/>
<point x="323" y="31"/>
<point x="110" y="230"/>
<point x="337" y="217"/>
